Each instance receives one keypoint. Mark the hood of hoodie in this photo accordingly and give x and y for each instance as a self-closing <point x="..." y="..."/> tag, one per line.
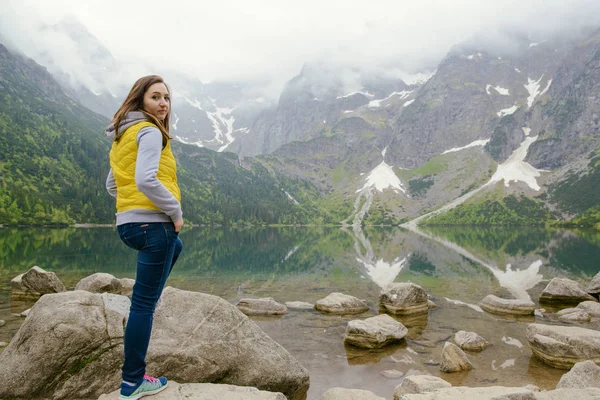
<point x="132" y="118"/>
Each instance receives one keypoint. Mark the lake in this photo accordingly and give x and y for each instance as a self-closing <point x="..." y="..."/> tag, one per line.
<point x="457" y="266"/>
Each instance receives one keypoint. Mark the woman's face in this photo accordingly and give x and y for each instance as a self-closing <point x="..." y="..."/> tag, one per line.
<point x="157" y="101"/>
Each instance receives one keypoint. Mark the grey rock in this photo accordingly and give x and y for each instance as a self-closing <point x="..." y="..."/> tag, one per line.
<point x="573" y="315"/>
<point x="404" y="299"/>
<point x="35" y="283"/>
<point x="419" y="384"/>
<point x="3" y="344"/>
<point x="2" y="323"/>
<point x="26" y="312"/>
<point x="470" y="341"/>
<point x="564" y="291"/>
<point x="206" y="391"/>
<point x="71" y="336"/>
<point x="575" y="394"/>
<point x="590" y="307"/>
<point x="264" y="306"/>
<point x="497" y="305"/>
<point x="374" y="332"/>
<point x="127" y="286"/>
<point x="392" y="374"/>
<point x="594" y="286"/>
<point x="349" y="394"/>
<point x="100" y="283"/>
<point x="339" y="303"/>
<point x="563" y="346"/>
<point x="454" y="359"/>
<point x="480" y="393"/>
<point x="583" y="375"/>
<point x="299" y="305"/>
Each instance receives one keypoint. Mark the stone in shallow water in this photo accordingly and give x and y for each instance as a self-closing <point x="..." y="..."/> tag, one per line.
<point x="404" y="299"/>
<point x="454" y="359"/>
<point x="583" y="374"/>
<point x="563" y="346"/>
<point x="299" y="305"/>
<point x="420" y="384"/>
<point x="470" y="341"/>
<point x="497" y="305"/>
<point x="392" y="374"/>
<point x="564" y="291"/>
<point x="34" y="283"/>
<point x="340" y="303"/>
<point x="2" y="323"/>
<point x="573" y="315"/>
<point x="349" y="394"/>
<point x="467" y="393"/>
<point x="374" y="332"/>
<point x="264" y="306"/>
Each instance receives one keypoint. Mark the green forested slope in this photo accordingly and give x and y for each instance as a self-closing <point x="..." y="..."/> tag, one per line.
<point x="51" y="168"/>
<point x="54" y="162"/>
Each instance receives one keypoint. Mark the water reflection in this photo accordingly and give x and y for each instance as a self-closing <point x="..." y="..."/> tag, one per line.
<point x="457" y="266"/>
<point x="380" y="271"/>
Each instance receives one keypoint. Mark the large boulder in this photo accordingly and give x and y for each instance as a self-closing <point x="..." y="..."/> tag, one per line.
<point x="374" y="332"/>
<point x="497" y="305"/>
<point x="582" y="375"/>
<point x="454" y="359"/>
<point x="71" y="346"/>
<point x="35" y="283"/>
<point x="349" y="394"/>
<point x="340" y="303"/>
<point x="563" y="346"/>
<point x="206" y="391"/>
<point x="480" y="393"/>
<point x="564" y="291"/>
<point x="100" y="282"/>
<point x="404" y="299"/>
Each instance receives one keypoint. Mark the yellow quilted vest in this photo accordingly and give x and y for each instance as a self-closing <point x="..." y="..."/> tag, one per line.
<point x="123" y="156"/>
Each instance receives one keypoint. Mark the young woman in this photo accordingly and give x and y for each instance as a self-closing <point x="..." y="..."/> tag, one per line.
<point x="143" y="180"/>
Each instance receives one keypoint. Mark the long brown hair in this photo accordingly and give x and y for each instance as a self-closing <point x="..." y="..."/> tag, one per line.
<point x="135" y="102"/>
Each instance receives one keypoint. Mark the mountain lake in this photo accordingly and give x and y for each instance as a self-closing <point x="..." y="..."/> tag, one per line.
<point x="457" y="267"/>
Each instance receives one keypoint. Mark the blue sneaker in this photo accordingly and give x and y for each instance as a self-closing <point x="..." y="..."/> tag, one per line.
<point x="148" y="387"/>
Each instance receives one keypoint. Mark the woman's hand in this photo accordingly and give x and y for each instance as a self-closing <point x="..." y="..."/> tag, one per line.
<point x="178" y="224"/>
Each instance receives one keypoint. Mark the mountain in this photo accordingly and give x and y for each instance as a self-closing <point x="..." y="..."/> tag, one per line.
<point x="54" y="162"/>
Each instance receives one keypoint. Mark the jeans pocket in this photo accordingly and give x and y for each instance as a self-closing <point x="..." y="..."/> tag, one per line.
<point x="134" y="238"/>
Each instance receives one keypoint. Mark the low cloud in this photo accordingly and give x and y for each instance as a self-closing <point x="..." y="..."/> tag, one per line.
<point x="269" y="41"/>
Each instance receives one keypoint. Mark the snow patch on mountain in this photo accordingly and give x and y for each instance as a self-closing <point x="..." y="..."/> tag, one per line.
<point x="416" y="79"/>
<point x="408" y="103"/>
<point x="403" y="94"/>
<point x="514" y="169"/>
<point x="383" y="177"/>
<point x="507" y="111"/>
<point x="353" y="93"/>
<point x="481" y="142"/>
<point x="533" y="88"/>
<point x="502" y="91"/>
<point x="176" y="121"/>
<point x="289" y="196"/>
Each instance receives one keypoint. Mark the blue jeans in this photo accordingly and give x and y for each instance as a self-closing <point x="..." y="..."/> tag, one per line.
<point x="158" y="247"/>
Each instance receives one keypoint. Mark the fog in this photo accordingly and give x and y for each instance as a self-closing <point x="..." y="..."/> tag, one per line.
<point x="269" y="41"/>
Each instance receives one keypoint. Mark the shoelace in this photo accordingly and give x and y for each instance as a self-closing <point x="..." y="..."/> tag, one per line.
<point x="150" y="379"/>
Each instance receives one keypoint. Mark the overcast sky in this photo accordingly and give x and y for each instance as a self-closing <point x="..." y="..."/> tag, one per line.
<point x="245" y="39"/>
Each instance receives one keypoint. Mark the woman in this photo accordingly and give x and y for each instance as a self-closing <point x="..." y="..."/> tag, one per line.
<point x="143" y="180"/>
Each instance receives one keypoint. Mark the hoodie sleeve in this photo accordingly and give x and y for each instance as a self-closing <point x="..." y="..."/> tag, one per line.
<point x="111" y="185"/>
<point x="148" y="158"/>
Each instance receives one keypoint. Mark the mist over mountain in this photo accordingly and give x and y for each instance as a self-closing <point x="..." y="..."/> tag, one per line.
<point x="506" y="118"/>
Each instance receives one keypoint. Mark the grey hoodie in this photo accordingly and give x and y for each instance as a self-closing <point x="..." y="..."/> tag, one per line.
<point x="149" y="141"/>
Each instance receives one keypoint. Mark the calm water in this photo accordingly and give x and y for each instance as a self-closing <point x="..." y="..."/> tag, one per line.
<point x="457" y="267"/>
